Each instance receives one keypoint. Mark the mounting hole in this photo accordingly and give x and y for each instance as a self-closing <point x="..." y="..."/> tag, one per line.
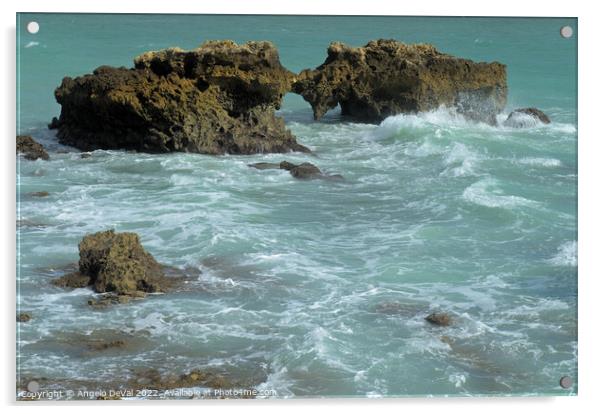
<point x="566" y="31"/>
<point x="566" y="382"/>
<point x="33" y="27"/>
<point x="33" y="386"/>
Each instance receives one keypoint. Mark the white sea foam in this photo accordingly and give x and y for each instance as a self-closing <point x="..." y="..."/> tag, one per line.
<point x="485" y="193"/>
<point x="278" y="381"/>
<point x="442" y="116"/>
<point x="320" y="266"/>
<point x="566" y="256"/>
<point x="540" y="162"/>
<point x="457" y="379"/>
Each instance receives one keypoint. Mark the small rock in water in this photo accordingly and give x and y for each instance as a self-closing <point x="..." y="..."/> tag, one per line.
<point x="85" y="155"/>
<point x="30" y="149"/>
<point x="116" y="263"/>
<point x="40" y="194"/>
<point x="439" y="319"/>
<point x="525" y="118"/>
<point x="108" y="397"/>
<point x="304" y="171"/>
<point x="23" y="317"/>
<point x="265" y="165"/>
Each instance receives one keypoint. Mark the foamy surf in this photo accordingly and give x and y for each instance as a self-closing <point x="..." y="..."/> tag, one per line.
<point x="566" y="255"/>
<point x="316" y="288"/>
<point x="487" y="193"/>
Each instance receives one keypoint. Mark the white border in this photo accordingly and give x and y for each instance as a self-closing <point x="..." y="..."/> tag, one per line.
<point x="589" y="191"/>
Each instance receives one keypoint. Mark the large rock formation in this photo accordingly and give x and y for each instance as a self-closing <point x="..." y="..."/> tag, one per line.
<point x="387" y="77"/>
<point x="217" y="99"/>
<point x="117" y="263"/>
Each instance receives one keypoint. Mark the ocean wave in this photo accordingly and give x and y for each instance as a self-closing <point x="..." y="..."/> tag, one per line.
<point x="485" y="193"/>
<point x="443" y="116"/>
<point x="444" y="120"/>
<point x="566" y="255"/>
<point x="467" y="159"/>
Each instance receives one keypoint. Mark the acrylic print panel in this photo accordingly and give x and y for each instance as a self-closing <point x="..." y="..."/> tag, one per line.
<point x="201" y="217"/>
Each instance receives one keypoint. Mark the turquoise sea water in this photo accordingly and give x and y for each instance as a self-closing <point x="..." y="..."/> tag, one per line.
<point x="316" y="288"/>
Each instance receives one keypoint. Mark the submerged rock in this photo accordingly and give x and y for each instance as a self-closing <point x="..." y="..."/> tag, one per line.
<point x="117" y="263"/>
<point x="220" y="98"/>
<point x="104" y="345"/>
<point x="387" y="77"/>
<point x="303" y="171"/>
<point x="39" y="194"/>
<point x="265" y="166"/>
<point x="526" y="117"/>
<point x="152" y="379"/>
<point x="31" y="149"/>
<point x="439" y="319"/>
<point x="113" y="299"/>
<point x="24" y="317"/>
<point x="405" y="309"/>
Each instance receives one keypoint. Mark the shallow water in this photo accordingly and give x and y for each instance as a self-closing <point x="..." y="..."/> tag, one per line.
<point x="317" y="287"/>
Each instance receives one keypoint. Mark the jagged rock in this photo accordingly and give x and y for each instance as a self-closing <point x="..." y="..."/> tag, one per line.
<point x="303" y="171"/>
<point x="220" y="98"/>
<point x="23" y="317"/>
<point x="439" y="319"/>
<point x="117" y="263"/>
<point x="387" y="77"/>
<point x="526" y="117"/>
<point x="30" y="149"/>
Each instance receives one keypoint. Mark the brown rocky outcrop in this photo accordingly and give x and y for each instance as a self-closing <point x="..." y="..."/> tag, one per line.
<point x="387" y="77"/>
<point x="30" y="149"/>
<point x="117" y="263"/>
<point x="220" y="98"/>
